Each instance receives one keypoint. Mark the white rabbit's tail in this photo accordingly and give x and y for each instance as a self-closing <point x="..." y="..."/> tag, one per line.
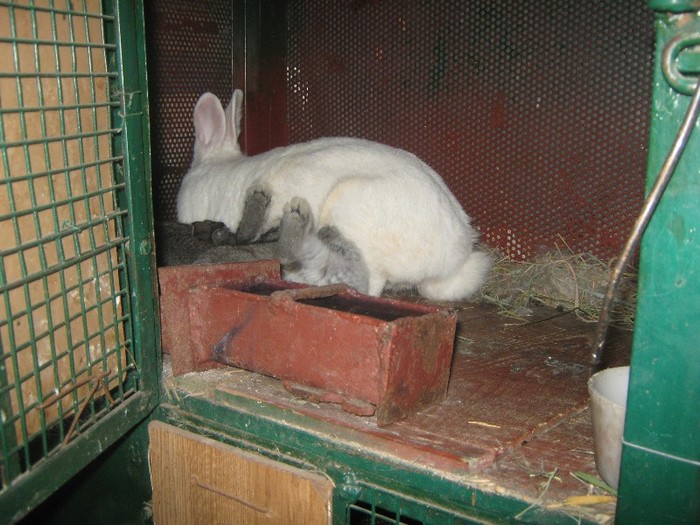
<point x="464" y="283"/>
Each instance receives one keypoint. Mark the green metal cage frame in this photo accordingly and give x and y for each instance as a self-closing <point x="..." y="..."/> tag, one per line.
<point x="660" y="471"/>
<point x="34" y="464"/>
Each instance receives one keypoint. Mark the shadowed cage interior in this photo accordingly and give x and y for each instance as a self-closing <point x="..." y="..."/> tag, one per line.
<point x="535" y="113"/>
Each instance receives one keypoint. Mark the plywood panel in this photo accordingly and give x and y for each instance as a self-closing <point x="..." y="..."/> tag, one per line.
<point x="197" y="480"/>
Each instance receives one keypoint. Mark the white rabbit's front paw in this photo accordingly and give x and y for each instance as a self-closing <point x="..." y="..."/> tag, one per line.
<point x="297" y="223"/>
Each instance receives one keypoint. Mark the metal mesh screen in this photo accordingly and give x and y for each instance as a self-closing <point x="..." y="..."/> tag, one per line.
<point x="535" y="113"/>
<point x="378" y="506"/>
<point x="65" y="352"/>
<point x="190" y="52"/>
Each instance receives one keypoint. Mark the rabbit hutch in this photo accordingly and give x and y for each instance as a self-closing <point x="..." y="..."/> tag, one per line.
<point x="150" y="373"/>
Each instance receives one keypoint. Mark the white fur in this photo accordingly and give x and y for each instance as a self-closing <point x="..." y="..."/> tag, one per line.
<point x="406" y="223"/>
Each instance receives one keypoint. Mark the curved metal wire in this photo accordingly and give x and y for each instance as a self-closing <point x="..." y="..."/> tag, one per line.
<point x="645" y="215"/>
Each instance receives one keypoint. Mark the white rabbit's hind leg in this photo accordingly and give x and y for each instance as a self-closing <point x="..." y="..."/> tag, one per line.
<point x="345" y="262"/>
<point x="295" y="230"/>
<point x="318" y="259"/>
<point x="462" y="284"/>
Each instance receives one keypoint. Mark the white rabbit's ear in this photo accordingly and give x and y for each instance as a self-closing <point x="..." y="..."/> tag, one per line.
<point x="209" y="123"/>
<point x="234" y="112"/>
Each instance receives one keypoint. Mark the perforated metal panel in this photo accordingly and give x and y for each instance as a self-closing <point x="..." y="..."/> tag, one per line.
<point x="189" y="52"/>
<point x="535" y="113"/>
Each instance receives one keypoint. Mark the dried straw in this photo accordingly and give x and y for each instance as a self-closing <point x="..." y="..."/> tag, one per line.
<point x="559" y="279"/>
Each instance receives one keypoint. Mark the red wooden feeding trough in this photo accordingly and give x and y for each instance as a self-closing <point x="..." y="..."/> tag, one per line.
<point x="328" y="344"/>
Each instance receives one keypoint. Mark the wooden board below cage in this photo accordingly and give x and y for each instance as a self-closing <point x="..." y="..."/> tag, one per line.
<point x="199" y="480"/>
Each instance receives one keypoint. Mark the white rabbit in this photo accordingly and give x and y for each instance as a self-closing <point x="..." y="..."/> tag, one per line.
<point x="347" y="210"/>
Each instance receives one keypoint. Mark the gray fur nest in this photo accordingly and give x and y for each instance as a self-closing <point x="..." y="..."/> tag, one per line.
<point x="177" y="246"/>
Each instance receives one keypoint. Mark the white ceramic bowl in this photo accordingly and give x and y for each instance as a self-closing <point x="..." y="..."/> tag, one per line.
<point x="608" y="391"/>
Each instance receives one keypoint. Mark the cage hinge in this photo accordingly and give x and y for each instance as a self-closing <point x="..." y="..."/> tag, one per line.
<point x="680" y="62"/>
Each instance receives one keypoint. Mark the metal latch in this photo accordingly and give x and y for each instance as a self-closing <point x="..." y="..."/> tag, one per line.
<point x="680" y="62"/>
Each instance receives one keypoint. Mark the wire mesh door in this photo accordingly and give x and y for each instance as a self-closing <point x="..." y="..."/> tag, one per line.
<point x="76" y="301"/>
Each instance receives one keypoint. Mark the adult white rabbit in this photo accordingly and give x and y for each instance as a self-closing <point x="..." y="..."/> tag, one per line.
<point x="346" y="210"/>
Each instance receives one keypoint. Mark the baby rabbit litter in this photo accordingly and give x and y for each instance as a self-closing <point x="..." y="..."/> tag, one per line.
<point x="345" y="210"/>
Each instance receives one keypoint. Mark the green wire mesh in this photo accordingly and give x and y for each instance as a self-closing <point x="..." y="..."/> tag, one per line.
<point x="379" y="506"/>
<point x="65" y="353"/>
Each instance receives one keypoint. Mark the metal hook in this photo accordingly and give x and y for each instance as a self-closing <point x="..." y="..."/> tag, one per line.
<point x="671" y="63"/>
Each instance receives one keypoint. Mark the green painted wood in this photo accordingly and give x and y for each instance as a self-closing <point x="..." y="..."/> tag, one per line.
<point x="660" y="476"/>
<point x="665" y="490"/>
<point x="322" y="446"/>
<point x="674" y="6"/>
<point x="133" y="118"/>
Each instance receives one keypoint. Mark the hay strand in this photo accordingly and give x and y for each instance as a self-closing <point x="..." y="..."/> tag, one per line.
<point x="560" y="279"/>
